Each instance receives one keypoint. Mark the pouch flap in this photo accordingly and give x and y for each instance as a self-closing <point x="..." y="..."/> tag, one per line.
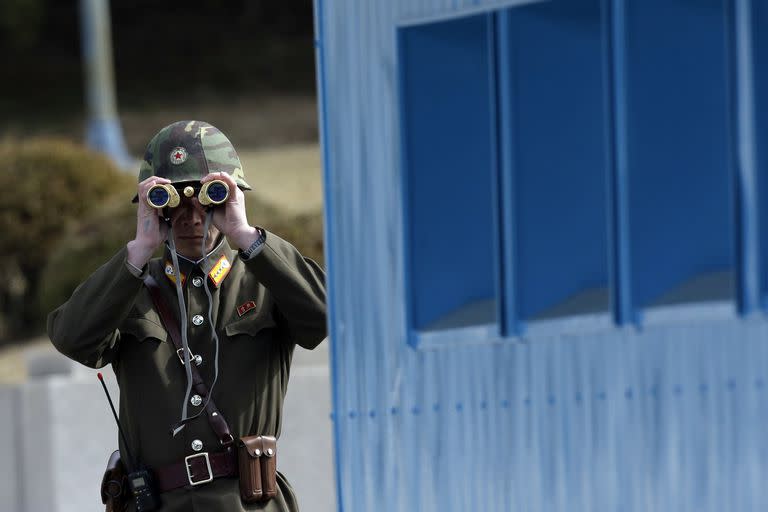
<point x="269" y="445"/>
<point x="143" y="328"/>
<point x="253" y="445"/>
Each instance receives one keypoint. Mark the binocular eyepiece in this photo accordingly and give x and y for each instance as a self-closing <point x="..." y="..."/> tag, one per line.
<point x="211" y="193"/>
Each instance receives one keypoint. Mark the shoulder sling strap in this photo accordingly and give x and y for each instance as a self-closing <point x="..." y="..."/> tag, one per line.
<point x="215" y="418"/>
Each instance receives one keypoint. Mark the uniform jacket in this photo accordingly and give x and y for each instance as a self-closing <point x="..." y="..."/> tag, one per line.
<point x="261" y="309"/>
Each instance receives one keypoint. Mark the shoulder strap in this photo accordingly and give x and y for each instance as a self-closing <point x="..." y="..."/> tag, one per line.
<point x="215" y="418"/>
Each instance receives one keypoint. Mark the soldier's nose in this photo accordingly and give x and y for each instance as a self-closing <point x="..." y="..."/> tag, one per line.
<point x="192" y="217"/>
<point x="190" y="213"/>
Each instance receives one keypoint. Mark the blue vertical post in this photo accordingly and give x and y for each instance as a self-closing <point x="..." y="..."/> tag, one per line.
<point x="329" y="230"/>
<point x="742" y="86"/>
<point x="614" y="21"/>
<point x="508" y="319"/>
<point x="103" y="131"/>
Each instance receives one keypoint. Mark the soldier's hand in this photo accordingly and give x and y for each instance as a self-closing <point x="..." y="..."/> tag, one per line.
<point x="230" y="217"/>
<point x="151" y="230"/>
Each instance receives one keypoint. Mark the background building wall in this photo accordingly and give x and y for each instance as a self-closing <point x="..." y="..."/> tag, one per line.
<point x="646" y="406"/>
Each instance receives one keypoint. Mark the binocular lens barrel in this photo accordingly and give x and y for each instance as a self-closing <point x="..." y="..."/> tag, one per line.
<point x="213" y="193"/>
<point x="158" y="196"/>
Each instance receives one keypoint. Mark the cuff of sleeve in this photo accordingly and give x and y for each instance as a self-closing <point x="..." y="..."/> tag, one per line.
<point x="256" y="247"/>
<point x="136" y="271"/>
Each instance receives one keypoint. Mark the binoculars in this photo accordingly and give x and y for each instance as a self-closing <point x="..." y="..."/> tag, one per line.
<point x="210" y="194"/>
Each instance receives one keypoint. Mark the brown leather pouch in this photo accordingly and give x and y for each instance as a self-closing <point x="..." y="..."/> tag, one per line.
<point x="269" y="466"/>
<point x="257" y="463"/>
<point x="113" y="485"/>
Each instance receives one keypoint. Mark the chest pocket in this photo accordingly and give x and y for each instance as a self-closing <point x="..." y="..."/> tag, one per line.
<point x="143" y="329"/>
<point x="251" y="324"/>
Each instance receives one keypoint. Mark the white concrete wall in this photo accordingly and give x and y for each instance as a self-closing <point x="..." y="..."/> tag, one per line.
<point x="9" y="420"/>
<point x="56" y="433"/>
<point x="306" y="448"/>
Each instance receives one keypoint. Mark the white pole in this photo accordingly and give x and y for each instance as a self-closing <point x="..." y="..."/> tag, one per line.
<point x="103" y="131"/>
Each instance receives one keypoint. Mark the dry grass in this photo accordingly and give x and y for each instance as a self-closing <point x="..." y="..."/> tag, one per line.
<point x="287" y="177"/>
<point x="249" y="122"/>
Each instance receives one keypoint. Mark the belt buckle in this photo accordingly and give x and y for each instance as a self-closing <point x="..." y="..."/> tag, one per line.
<point x="207" y="463"/>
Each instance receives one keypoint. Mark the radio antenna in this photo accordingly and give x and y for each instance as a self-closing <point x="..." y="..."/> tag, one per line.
<point x="119" y="428"/>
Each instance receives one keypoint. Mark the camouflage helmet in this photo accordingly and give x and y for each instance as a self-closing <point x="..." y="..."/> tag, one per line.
<point x="189" y="150"/>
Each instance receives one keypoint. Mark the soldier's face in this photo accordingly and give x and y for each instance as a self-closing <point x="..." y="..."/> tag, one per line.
<point x="188" y="222"/>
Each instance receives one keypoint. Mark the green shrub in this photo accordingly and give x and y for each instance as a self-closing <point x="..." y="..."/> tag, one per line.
<point x="55" y="183"/>
<point x="304" y="231"/>
<point x="87" y="245"/>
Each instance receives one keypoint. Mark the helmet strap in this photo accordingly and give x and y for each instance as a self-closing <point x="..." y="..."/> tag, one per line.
<point x="214" y="335"/>
<point x="183" y="327"/>
<point x="183" y="317"/>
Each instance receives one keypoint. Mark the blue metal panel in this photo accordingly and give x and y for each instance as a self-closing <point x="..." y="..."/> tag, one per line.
<point x="449" y="165"/>
<point x="614" y="16"/>
<point x="560" y="171"/>
<point x="419" y="12"/>
<point x="328" y="200"/>
<point x="508" y="301"/>
<point x="667" y="418"/>
<point x="678" y="151"/>
<point x="759" y="18"/>
<point x="741" y="86"/>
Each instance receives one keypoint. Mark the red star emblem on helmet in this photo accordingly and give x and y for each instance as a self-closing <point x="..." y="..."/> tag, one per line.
<point x="178" y="155"/>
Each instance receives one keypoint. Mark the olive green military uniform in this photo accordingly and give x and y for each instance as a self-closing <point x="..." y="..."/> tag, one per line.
<point x="261" y="309"/>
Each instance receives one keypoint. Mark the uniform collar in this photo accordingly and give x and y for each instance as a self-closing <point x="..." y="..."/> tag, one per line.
<point x="216" y="264"/>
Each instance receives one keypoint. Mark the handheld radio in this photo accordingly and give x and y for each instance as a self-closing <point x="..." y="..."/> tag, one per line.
<point x="140" y="480"/>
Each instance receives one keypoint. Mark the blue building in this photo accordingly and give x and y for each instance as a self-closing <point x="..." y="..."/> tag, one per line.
<point x="546" y="235"/>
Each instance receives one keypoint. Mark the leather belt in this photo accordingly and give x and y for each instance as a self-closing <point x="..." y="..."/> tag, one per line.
<point x="196" y="469"/>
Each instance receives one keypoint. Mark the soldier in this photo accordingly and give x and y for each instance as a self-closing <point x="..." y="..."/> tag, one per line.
<point x="187" y="411"/>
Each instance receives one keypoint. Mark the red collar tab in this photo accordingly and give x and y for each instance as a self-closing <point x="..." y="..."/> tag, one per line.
<point x="246" y="307"/>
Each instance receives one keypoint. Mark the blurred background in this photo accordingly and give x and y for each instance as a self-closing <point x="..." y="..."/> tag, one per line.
<point x="246" y="67"/>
